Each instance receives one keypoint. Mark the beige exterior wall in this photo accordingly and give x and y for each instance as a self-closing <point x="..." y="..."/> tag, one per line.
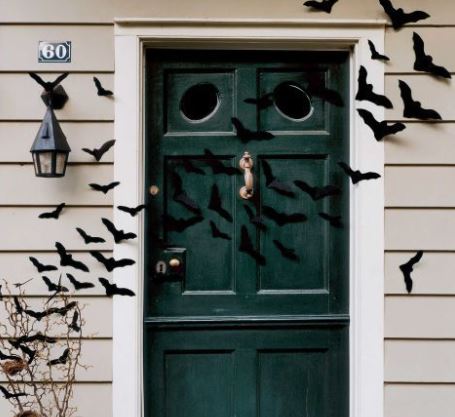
<point x="420" y="170"/>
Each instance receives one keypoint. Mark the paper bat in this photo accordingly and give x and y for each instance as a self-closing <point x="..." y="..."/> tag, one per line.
<point x="215" y="204"/>
<point x="98" y="153"/>
<point x="288" y="253"/>
<point x="380" y="129"/>
<point x="357" y="176"/>
<point x="172" y="224"/>
<point x="78" y="285"/>
<point x="245" y="135"/>
<point x="104" y="188"/>
<point x="99" y="88"/>
<point x="132" y="211"/>
<point x="9" y="395"/>
<point x="217" y="233"/>
<point x="365" y="91"/>
<point x="190" y="168"/>
<point x="322" y="6"/>
<point x="262" y="102"/>
<point x="74" y="323"/>
<point x="316" y="87"/>
<point x="246" y="246"/>
<point x="21" y="284"/>
<point x="424" y="62"/>
<point x="88" y="238"/>
<point x="29" y="352"/>
<point x="274" y="184"/>
<point x="317" y="193"/>
<point x="398" y="17"/>
<point x="4" y="357"/>
<point x="334" y="221"/>
<point x="18" y="305"/>
<point x="61" y="360"/>
<point x="53" y="214"/>
<point x="54" y="287"/>
<point x="33" y="338"/>
<point x="408" y="267"/>
<point x="66" y="259"/>
<point x="375" y="54"/>
<point x="48" y="85"/>
<point x="112" y="289"/>
<point x="413" y="109"/>
<point x="119" y="235"/>
<point x="258" y="221"/>
<point x="111" y="263"/>
<point x="181" y="196"/>
<point x="217" y="166"/>
<point x="282" y="219"/>
<point x="41" y="267"/>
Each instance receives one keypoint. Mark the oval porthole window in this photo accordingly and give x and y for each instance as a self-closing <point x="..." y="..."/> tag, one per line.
<point x="292" y="101"/>
<point x="199" y="102"/>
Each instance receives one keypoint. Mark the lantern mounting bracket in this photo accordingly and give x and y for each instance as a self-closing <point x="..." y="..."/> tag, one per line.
<point x="55" y="98"/>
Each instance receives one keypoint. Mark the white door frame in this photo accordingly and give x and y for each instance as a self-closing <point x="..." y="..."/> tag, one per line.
<point x="132" y="36"/>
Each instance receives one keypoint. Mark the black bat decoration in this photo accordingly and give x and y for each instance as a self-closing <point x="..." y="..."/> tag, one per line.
<point x="271" y="181"/>
<point x="29" y="352"/>
<point x="256" y="220"/>
<point x="110" y="263"/>
<point x="118" y="235"/>
<point x="316" y="87"/>
<point x="181" y="196"/>
<point x="60" y="360"/>
<point x="98" y="153"/>
<point x="41" y="267"/>
<point x="413" y="109"/>
<point x="74" y="323"/>
<point x="288" y="253"/>
<point x="9" y="395"/>
<point x="48" y="85"/>
<point x="380" y="129"/>
<point x="408" y="267"/>
<point x="215" y="204"/>
<point x="4" y="357"/>
<point x="334" y="221"/>
<point x="89" y="239"/>
<point x="132" y="211"/>
<point x="172" y="224"/>
<point x="246" y="246"/>
<point x="357" y="176"/>
<point x="78" y="285"/>
<point x="20" y="284"/>
<point x="39" y="315"/>
<point x="262" y="102"/>
<point x="190" y="168"/>
<point x="217" y="233"/>
<point x="104" y="188"/>
<point x="424" y="62"/>
<point x="36" y="337"/>
<point x="217" y="166"/>
<point x="54" y="287"/>
<point x="53" y="214"/>
<point x="282" y="219"/>
<point x="18" y="305"/>
<point x="317" y="193"/>
<point x="100" y="90"/>
<point x="398" y="17"/>
<point x="375" y="54"/>
<point x="67" y="260"/>
<point x="245" y="135"/>
<point x="322" y="6"/>
<point x="365" y="91"/>
<point x="112" y="289"/>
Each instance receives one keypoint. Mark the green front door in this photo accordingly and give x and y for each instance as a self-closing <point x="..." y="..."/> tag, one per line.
<point x="246" y="302"/>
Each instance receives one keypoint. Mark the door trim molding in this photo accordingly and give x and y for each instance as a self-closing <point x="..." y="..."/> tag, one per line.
<point x="366" y="201"/>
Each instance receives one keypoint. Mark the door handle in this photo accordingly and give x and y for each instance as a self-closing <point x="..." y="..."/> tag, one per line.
<point x="246" y="164"/>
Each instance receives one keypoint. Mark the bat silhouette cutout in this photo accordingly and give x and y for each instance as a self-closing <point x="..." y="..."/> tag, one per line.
<point x="288" y="253"/>
<point x="172" y="224"/>
<point x="21" y="284"/>
<point x="4" y="357"/>
<point x="104" y="188"/>
<point x="74" y="322"/>
<point x="245" y="135"/>
<point x="67" y="260"/>
<point x="215" y="204"/>
<point x="18" y="305"/>
<point x="39" y="315"/>
<point x="357" y="176"/>
<point x="100" y="90"/>
<point x="217" y="166"/>
<point x="408" y="267"/>
<point x="316" y="87"/>
<point x="78" y="285"/>
<point x="54" y="287"/>
<point x="37" y="337"/>
<point x="112" y="289"/>
<point x="63" y="310"/>
<point x="48" y="85"/>
<point x="424" y="62"/>
<point x="41" y="267"/>
<point x="380" y="129"/>
<point x="246" y="246"/>
<point x="365" y="91"/>
<point x="271" y="181"/>
<point x="262" y="102"/>
<point x="190" y="168"/>
<point x="181" y="196"/>
<point x="398" y="16"/>
<point x="9" y="395"/>
<point x="413" y="109"/>
<point x="282" y="219"/>
<point x="375" y="54"/>
<point x="132" y="211"/>
<point x="98" y="153"/>
<point x="118" y="235"/>
<point x="29" y="352"/>
<point x="256" y="220"/>
<point x="62" y="359"/>
<point x="217" y="233"/>
<point x="317" y="193"/>
<point x="53" y="214"/>
<point x="334" y="221"/>
<point x="110" y="263"/>
<point x="322" y="6"/>
<point x="89" y="239"/>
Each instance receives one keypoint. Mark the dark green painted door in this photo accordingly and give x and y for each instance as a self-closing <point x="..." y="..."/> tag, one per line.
<point x="238" y="332"/>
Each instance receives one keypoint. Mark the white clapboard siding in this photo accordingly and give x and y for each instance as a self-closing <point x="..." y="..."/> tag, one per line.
<point x="434" y="274"/>
<point x="21" y="97"/>
<point x="16" y="138"/>
<point x="92" y="46"/>
<point x="432" y="93"/>
<point x="20" y="186"/>
<point x="399" y="47"/>
<point x="422" y="143"/>
<point x="430" y="229"/>
<point x="420" y="186"/>
<point x="419" y="361"/>
<point x="419" y="317"/>
<point x="22" y="230"/>
<point x="83" y="399"/>
<point x="419" y="400"/>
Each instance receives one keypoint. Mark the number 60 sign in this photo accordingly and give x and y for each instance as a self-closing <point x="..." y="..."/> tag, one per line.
<point x="58" y="52"/>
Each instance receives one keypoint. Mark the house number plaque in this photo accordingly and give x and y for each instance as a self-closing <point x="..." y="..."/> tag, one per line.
<point x="54" y="52"/>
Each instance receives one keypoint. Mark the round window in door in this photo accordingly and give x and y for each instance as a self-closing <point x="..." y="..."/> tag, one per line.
<point x="200" y="102"/>
<point x="292" y="102"/>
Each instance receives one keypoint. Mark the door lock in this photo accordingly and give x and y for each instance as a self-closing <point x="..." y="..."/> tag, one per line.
<point x="171" y="265"/>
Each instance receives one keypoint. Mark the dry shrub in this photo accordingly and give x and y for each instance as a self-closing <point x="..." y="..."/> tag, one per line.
<point x="12" y="368"/>
<point x="28" y="414"/>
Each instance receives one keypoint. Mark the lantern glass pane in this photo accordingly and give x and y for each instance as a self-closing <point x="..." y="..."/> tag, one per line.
<point x="46" y="162"/>
<point x="60" y="163"/>
<point x="36" y="163"/>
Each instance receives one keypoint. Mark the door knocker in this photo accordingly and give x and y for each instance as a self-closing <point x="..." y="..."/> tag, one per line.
<point x="246" y="164"/>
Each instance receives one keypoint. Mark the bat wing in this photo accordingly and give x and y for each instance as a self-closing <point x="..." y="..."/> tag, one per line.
<point x="406" y="93"/>
<point x="106" y="146"/>
<point x="110" y="226"/>
<point x="327" y="191"/>
<point x="388" y="7"/>
<point x="394" y="128"/>
<point x="440" y="71"/>
<point x="59" y="79"/>
<point x="369" y="176"/>
<point x="89" y="151"/>
<point x="124" y="291"/>
<point x="38" y="79"/>
<point x="415" y="16"/>
<point x="267" y="172"/>
<point x="381" y="100"/>
<point x="190" y="168"/>
<point x="99" y="257"/>
<point x="78" y="265"/>
<point x="97" y="83"/>
<point x="416" y="258"/>
<point x="419" y="47"/>
<point x="368" y="118"/>
<point x="305" y="187"/>
<point x="346" y="168"/>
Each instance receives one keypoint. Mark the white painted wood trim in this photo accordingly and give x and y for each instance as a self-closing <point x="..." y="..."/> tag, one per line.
<point x="367" y="200"/>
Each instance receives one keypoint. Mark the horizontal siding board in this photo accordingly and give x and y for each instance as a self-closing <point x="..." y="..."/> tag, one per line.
<point x="92" y="47"/>
<point x="21" y="97"/>
<point x="20" y="186"/>
<point x="419" y="361"/>
<point x="433" y="275"/>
